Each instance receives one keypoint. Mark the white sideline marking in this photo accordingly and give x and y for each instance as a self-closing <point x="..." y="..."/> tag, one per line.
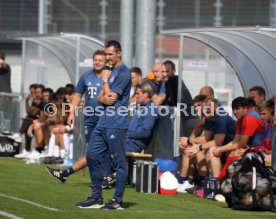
<point x="8" y="215"/>
<point x="29" y="202"/>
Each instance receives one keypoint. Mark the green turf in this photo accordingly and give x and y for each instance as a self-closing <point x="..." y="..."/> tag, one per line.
<point x="33" y="183"/>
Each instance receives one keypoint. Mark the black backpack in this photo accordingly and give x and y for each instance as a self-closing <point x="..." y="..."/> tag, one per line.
<point x="253" y="185"/>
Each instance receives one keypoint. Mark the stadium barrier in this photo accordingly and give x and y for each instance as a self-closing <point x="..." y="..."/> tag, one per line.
<point x="9" y="112"/>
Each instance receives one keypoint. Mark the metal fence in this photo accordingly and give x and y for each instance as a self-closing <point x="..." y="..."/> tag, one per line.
<point x="9" y="112"/>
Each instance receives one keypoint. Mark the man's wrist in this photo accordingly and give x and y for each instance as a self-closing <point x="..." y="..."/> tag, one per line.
<point x="217" y="152"/>
<point x="200" y="147"/>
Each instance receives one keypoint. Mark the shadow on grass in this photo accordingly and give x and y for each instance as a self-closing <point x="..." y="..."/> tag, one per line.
<point x="88" y="185"/>
<point x="127" y="205"/>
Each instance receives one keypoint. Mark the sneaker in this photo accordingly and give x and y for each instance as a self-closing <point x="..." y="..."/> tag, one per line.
<point x="57" y="174"/>
<point x="58" y="160"/>
<point x="23" y="154"/>
<point x="220" y="198"/>
<point x="105" y="184"/>
<point x="111" y="179"/>
<point x="16" y="137"/>
<point x="90" y="203"/>
<point x="182" y="187"/>
<point x="34" y="155"/>
<point x="48" y="160"/>
<point x="180" y="179"/>
<point x="113" y="205"/>
<point x="192" y="190"/>
<point x="67" y="163"/>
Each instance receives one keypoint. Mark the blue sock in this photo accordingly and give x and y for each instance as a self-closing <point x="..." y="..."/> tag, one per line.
<point x="68" y="172"/>
<point x="181" y="179"/>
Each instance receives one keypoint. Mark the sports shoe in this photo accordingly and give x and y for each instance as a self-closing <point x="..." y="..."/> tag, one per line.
<point x="57" y="160"/>
<point x="220" y="198"/>
<point x="192" y="190"/>
<point x="34" y="155"/>
<point x="67" y="163"/>
<point x="113" y="205"/>
<point x="23" y="154"/>
<point x="186" y="185"/>
<point x="57" y="173"/>
<point x="91" y="203"/>
<point x="16" y="137"/>
<point x="111" y="179"/>
<point x="48" y="160"/>
<point x="180" y="179"/>
<point x="195" y="190"/>
<point x="105" y="184"/>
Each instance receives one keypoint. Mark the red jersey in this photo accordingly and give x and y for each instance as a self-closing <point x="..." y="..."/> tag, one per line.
<point x="250" y="125"/>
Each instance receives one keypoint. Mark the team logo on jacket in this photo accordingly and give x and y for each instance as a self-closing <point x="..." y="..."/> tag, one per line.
<point x="111" y="79"/>
<point x="112" y="136"/>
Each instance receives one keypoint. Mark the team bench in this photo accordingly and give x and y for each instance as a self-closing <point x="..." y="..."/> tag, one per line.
<point x="139" y="156"/>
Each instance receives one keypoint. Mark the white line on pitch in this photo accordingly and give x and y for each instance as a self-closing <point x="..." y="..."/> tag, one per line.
<point x="29" y="202"/>
<point x="8" y="215"/>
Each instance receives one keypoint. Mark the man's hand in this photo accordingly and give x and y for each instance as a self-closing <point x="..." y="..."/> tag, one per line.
<point x="215" y="151"/>
<point x="55" y="130"/>
<point x="238" y="152"/>
<point x="110" y="99"/>
<point x="105" y="75"/>
<point x="29" y="96"/>
<point x="37" y="125"/>
<point x="71" y="118"/>
<point x="183" y="142"/>
<point x="62" y="129"/>
<point x="193" y="150"/>
<point x="30" y="131"/>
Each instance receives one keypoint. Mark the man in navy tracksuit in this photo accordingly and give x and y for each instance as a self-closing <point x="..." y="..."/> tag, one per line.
<point x="110" y="132"/>
<point x="140" y="129"/>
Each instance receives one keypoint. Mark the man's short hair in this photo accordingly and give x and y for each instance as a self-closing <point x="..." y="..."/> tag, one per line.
<point x="61" y="91"/>
<point x="209" y="89"/>
<point x="251" y="102"/>
<point x="136" y="70"/>
<point x="269" y="104"/>
<point x="70" y="87"/>
<point x="273" y="99"/>
<point x="32" y="86"/>
<point x="146" y="88"/>
<point x="98" y="52"/>
<point x="48" y="90"/>
<point x="41" y="86"/>
<point x="259" y="89"/>
<point x="212" y="99"/>
<point x="169" y="62"/>
<point x="199" y="98"/>
<point x="115" y="44"/>
<point x="2" y="56"/>
<point x="239" y="102"/>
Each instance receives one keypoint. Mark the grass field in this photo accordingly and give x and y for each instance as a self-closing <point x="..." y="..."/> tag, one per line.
<point x="28" y="191"/>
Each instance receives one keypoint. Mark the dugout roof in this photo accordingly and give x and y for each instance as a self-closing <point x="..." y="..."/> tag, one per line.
<point x="56" y="59"/>
<point x="250" y="51"/>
